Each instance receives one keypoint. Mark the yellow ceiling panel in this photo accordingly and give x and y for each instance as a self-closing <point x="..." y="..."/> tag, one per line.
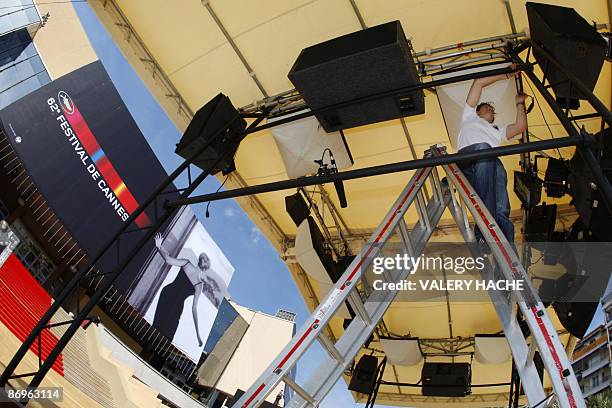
<point x="272" y="46"/>
<point x="178" y="33"/>
<point x="220" y="71"/>
<point x="435" y="23"/>
<point x="192" y="51"/>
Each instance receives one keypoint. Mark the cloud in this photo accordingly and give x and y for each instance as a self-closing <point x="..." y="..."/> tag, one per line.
<point x="255" y="235"/>
<point x="229" y="212"/>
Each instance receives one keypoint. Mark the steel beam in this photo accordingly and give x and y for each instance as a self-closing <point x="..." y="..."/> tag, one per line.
<point x="385" y="169"/>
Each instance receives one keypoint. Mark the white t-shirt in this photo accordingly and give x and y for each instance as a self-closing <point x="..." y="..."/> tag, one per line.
<point x="474" y="129"/>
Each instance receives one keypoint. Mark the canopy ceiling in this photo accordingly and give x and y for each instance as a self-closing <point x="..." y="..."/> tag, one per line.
<point x="182" y="54"/>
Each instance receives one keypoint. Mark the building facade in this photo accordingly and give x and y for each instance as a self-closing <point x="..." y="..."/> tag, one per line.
<point x="21" y="67"/>
<point x="592" y="355"/>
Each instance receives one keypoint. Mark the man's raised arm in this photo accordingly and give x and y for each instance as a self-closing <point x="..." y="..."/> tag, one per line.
<point x="478" y="84"/>
<point x="520" y="125"/>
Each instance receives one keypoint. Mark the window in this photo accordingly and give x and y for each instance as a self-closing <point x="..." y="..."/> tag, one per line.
<point x="285" y="314"/>
<point x="595" y="381"/>
<point x="21" y="69"/>
<point x="18" y="14"/>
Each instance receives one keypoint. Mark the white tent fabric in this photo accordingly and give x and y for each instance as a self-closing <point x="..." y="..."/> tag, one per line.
<point x="306" y="255"/>
<point x="452" y="99"/>
<point x="302" y="142"/>
<point x="310" y="262"/>
<point x="403" y="352"/>
<point x="491" y="350"/>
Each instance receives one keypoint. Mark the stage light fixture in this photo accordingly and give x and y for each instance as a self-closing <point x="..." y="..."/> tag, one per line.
<point x="364" y="375"/>
<point x="329" y="169"/>
<point x="555" y="178"/>
<point x="528" y="188"/>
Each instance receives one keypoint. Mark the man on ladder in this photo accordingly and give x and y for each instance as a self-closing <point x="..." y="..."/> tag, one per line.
<point x="478" y="131"/>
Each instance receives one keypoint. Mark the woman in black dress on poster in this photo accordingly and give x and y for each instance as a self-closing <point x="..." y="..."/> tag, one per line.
<point x="191" y="280"/>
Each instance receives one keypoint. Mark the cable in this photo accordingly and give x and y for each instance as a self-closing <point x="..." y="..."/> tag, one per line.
<point x="543" y="116"/>
<point x="537" y="260"/>
<point x="544" y="400"/>
<point x="322" y="171"/>
<point x="208" y="204"/>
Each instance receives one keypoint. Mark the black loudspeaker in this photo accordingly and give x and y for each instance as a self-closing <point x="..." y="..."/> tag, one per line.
<point x="364" y="375"/>
<point x="588" y="201"/>
<point x="541" y="223"/>
<point x="446" y="379"/>
<point x="576" y="316"/>
<point x="341" y="264"/>
<point x="217" y="119"/>
<point x="555" y="178"/>
<point x="357" y="65"/>
<point x="297" y="208"/>
<point x="318" y="243"/>
<point x="573" y="42"/>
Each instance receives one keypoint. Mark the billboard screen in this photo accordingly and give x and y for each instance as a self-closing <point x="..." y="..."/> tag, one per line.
<point x="80" y="145"/>
<point x="88" y="158"/>
<point x="183" y="283"/>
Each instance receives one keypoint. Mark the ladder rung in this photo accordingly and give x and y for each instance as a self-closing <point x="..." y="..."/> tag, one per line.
<point x="405" y="236"/>
<point x="435" y="180"/>
<point x="513" y="307"/>
<point x="357" y="305"/>
<point x="299" y="390"/>
<point x="330" y="347"/>
<point x="531" y="355"/>
<point x="422" y="210"/>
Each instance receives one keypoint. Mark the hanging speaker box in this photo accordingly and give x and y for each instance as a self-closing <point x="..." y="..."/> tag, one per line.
<point x="218" y="126"/>
<point x="572" y="41"/>
<point x="364" y="375"/>
<point x="357" y="65"/>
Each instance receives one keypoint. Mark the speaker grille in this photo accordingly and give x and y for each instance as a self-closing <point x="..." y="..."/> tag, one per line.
<point x="358" y="65"/>
<point x="573" y="42"/>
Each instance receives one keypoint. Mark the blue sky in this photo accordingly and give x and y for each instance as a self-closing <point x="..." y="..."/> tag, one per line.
<point x="265" y="285"/>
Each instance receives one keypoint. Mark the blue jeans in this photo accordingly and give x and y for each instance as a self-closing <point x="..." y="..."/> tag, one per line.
<point x="488" y="177"/>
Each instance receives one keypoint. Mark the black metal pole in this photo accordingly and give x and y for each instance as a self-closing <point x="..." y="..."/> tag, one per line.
<point x="108" y="281"/>
<point x="384" y="169"/>
<point x="600" y="179"/>
<point x="517" y="391"/>
<point x="401" y="384"/>
<point x="374" y="392"/>
<point x="512" y="380"/>
<point x="65" y="293"/>
<point x="586" y="92"/>
<point x="395" y="92"/>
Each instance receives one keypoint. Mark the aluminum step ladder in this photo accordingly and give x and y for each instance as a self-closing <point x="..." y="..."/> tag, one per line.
<point x="458" y="196"/>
